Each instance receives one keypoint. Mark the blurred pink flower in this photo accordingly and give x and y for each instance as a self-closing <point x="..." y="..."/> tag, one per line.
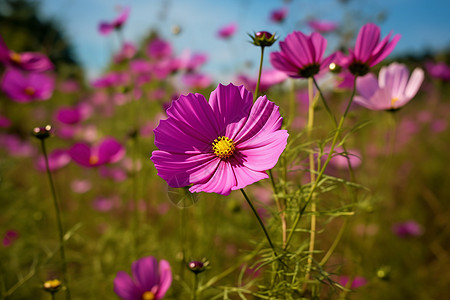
<point x="80" y="186"/>
<point x="16" y="146"/>
<point x="159" y="49"/>
<point x="4" y="122"/>
<point x="106" y="28"/>
<point x="392" y="90"/>
<point x="407" y="229"/>
<point x="151" y="280"/>
<point x="438" y="70"/>
<point x="111" y="79"/>
<point x="368" y="51"/>
<point x="10" y="237"/>
<point x="269" y="77"/>
<point x="109" y="150"/>
<point x="194" y="61"/>
<point x="116" y="174"/>
<point x="26" y="61"/>
<point x="340" y="159"/>
<point x="127" y="52"/>
<point x="279" y="15"/>
<point x="357" y="282"/>
<point x="69" y="86"/>
<point x="69" y="115"/>
<point x="57" y="159"/>
<point x="196" y="80"/>
<point x="27" y="87"/>
<point x="227" y="31"/>
<point x="221" y="145"/>
<point x="104" y="204"/>
<point x="322" y="26"/>
<point x="300" y="55"/>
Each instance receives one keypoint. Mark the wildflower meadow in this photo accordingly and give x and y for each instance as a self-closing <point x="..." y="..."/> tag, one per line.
<point x="321" y="174"/>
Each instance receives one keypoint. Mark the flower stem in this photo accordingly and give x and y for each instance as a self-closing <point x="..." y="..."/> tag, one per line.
<point x="312" y="173"/>
<point x="58" y="220"/>
<point x="255" y="96"/>
<point x="327" y="108"/>
<point x="324" y="166"/>
<point x="259" y="219"/>
<point x="194" y="288"/>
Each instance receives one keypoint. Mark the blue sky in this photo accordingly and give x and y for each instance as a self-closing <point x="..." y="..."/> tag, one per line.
<point x="422" y="24"/>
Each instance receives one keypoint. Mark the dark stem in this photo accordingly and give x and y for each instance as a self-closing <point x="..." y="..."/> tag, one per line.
<point x="325" y="102"/>
<point x="58" y="219"/>
<point x="259" y="220"/>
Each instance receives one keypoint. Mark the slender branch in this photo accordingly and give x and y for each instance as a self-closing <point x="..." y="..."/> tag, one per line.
<point x="255" y="96"/>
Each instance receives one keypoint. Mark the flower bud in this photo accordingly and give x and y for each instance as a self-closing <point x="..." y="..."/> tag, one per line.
<point x="42" y="132"/>
<point x="263" y="39"/>
<point x="196" y="266"/>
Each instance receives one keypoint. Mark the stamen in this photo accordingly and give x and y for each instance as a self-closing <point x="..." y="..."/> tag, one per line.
<point x="148" y="295"/>
<point x="30" y="91"/>
<point x="393" y="100"/>
<point x="15" y="57"/>
<point x="223" y="147"/>
<point x="93" y="159"/>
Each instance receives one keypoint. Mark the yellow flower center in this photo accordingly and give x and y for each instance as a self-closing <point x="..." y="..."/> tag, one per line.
<point x="15" y="57"/>
<point x="93" y="159"/>
<point x="223" y="147"/>
<point x="148" y="296"/>
<point x="30" y="91"/>
<point x="393" y="100"/>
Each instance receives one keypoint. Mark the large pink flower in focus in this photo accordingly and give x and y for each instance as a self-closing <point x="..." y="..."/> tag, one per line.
<point x="219" y="146"/>
<point x="106" y="28"/>
<point x="108" y="151"/>
<point x="300" y="55"/>
<point x="150" y="280"/>
<point x="392" y="90"/>
<point x="369" y="50"/>
<point x="23" y="87"/>
<point x="26" y="61"/>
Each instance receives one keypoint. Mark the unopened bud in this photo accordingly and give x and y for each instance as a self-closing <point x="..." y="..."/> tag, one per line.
<point x="42" y="132"/>
<point x="263" y="39"/>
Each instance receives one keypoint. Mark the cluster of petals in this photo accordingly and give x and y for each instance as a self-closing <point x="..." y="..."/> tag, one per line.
<point x="24" y="87"/>
<point x="407" y="229"/>
<point x="151" y="280"/>
<point x="26" y="61"/>
<point x="127" y="52"/>
<point x="369" y="50"/>
<point x="322" y="26"/>
<point x="393" y="89"/>
<point x="190" y="138"/>
<point x="301" y="55"/>
<point x="106" y="28"/>
<point x="109" y="150"/>
<point x="438" y="70"/>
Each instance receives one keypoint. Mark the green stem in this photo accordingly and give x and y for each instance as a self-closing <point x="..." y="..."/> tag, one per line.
<point x="322" y="170"/>
<point x="325" y="102"/>
<point x="194" y="289"/>
<point x="259" y="220"/>
<point x="255" y="96"/>
<point x="58" y="219"/>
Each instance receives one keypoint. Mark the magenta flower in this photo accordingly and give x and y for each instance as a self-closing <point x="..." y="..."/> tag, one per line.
<point x="278" y="15"/>
<point x="369" y="50"/>
<point x="301" y="55"/>
<point x="150" y="281"/>
<point x="196" y="80"/>
<point x="269" y="77"/>
<point x="159" y="49"/>
<point x="106" y="28"/>
<point x="69" y="115"/>
<point x="438" y="70"/>
<point x="128" y="51"/>
<point x="26" y="61"/>
<point x="111" y="79"/>
<point x="10" y="237"/>
<point x="322" y="26"/>
<point x="57" y="159"/>
<point x="391" y="91"/>
<point x="227" y="31"/>
<point x="407" y="229"/>
<point x="108" y="151"/>
<point x="22" y="87"/>
<point x="219" y="146"/>
<point x="4" y="122"/>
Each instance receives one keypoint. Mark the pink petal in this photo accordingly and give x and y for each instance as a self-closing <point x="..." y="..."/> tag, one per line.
<point x="414" y="83"/>
<point x="125" y="288"/>
<point x="221" y="182"/>
<point x="367" y="40"/>
<point x="145" y="272"/>
<point x="165" y="279"/>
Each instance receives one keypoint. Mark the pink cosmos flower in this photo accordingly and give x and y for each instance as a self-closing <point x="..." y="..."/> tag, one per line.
<point x="151" y="280"/>
<point x="111" y="79"/>
<point x="127" y="52"/>
<point x="16" y="146"/>
<point x="108" y="151"/>
<point x="57" y="159"/>
<point x="80" y="186"/>
<point x="219" y="146"/>
<point x="194" y="61"/>
<point x="407" y="229"/>
<point x="4" y="122"/>
<point x="22" y="87"/>
<point x="300" y="55"/>
<point x="278" y="15"/>
<point x="26" y="61"/>
<point x="322" y="26"/>
<point x="106" y="28"/>
<point x="196" y="80"/>
<point x="69" y="115"/>
<point x="269" y="77"/>
<point x="391" y="91"/>
<point x="227" y="31"/>
<point x="369" y="50"/>
<point x="159" y="49"/>
<point x="438" y="70"/>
